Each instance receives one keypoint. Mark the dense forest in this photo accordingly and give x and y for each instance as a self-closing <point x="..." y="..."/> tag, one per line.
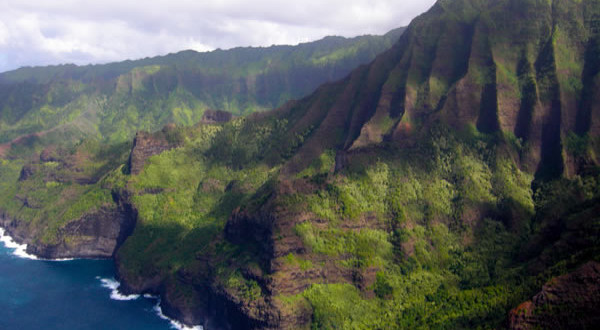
<point x="452" y="182"/>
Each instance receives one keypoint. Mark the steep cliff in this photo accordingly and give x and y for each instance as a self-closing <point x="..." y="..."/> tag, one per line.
<point x="439" y="186"/>
<point x="62" y="104"/>
<point x="521" y="68"/>
<point x="478" y="102"/>
<point x="97" y="234"/>
<point x="566" y="302"/>
<point x="146" y="145"/>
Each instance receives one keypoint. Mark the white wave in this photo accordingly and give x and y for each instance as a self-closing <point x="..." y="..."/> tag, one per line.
<point x="19" y="250"/>
<point x="174" y="324"/>
<point x="60" y="259"/>
<point x="114" y="285"/>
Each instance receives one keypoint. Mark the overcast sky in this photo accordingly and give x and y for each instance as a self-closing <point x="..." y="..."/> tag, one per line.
<point x="43" y="32"/>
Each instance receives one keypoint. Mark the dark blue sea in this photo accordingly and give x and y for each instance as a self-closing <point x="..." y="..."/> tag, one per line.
<point x="74" y="294"/>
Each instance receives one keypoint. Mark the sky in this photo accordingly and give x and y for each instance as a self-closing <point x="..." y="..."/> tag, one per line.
<point x="48" y="32"/>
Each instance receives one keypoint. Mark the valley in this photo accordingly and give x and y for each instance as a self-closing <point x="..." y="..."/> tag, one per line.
<point x="451" y="181"/>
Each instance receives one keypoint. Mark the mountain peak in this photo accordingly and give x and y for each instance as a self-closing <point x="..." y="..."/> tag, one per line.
<point x="509" y="67"/>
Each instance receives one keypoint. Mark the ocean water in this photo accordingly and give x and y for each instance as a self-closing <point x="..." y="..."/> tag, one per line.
<point x="69" y="294"/>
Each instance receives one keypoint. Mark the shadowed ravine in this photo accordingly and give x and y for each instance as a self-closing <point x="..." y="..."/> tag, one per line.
<point x="451" y="182"/>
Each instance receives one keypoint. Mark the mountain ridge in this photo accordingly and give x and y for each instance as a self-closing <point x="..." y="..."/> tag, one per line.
<point x="430" y="151"/>
<point x="440" y="185"/>
<point x="26" y="72"/>
<point x="112" y="101"/>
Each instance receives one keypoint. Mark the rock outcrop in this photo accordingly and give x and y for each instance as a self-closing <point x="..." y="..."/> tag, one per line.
<point x="94" y="235"/>
<point x="463" y="65"/>
<point x="566" y="302"/>
<point x="216" y="117"/>
<point x="466" y="65"/>
<point x="97" y="234"/>
<point x="146" y="145"/>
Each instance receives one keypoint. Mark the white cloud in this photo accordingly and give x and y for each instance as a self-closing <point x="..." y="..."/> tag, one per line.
<point x="69" y="31"/>
<point x="4" y="34"/>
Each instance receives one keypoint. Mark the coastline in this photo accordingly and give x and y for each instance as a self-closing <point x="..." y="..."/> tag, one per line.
<point x="113" y="285"/>
<point x="20" y="250"/>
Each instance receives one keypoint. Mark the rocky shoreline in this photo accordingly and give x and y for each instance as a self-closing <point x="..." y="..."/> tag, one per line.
<point x="95" y="235"/>
<point x="104" y="231"/>
<point x="99" y="234"/>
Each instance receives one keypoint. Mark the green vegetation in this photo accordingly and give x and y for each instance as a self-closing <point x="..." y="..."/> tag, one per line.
<point x="185" y="195"/>
<point x="577" y="145"/>
<point x="438" y="265"/>
<point x="420" y="206"/>
<point x="85" y="125"/>
<point x="293" y="260"/>
<point x="74" y="102"/>
<point x="247" y="289"/>
<point x="50" y="194"/>
<point x="456" y="204"/>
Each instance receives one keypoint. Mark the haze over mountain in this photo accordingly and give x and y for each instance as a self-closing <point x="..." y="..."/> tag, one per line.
<point x="112" y="101"/>
<point x="36" y="33"/>
<point x="452" y="182"/>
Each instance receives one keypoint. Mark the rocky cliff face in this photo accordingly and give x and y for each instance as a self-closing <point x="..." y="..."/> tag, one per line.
<point x="519" y="70"/>
<point x="146" y="145"/>
<point x="521" y="73"/>
<point x="97" y="234"/>
<point x="566" y="302"/>
<point x="523" y="68"/>
<point x="115" y="100"/>
<point x="216" y="117"/>
<point x="518" y="78"/>
<point x="516" y="71"/>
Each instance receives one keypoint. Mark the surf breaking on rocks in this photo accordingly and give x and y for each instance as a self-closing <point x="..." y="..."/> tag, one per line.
<point x="113" y="285"/>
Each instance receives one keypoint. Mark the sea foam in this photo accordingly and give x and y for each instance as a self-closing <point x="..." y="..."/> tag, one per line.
<point x="19" y="250"/>
<point x="174" y="324"/>
<point x="113" y="285"/>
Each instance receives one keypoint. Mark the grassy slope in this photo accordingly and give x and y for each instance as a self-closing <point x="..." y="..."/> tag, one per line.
<point x="435" y="266"/>
<point x="60" y="189"/>
<point x="439" y="234"/>
<point x="112" y="101"/>
<point x="427" y="233"/>
<point x="86" y="116"/>
<point x="433" y="224"/>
